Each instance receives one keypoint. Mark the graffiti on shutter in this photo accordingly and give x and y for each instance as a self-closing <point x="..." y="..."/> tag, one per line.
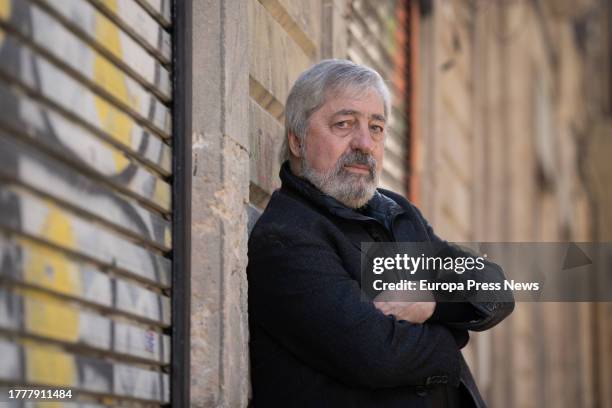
<point x="85" y="198"/>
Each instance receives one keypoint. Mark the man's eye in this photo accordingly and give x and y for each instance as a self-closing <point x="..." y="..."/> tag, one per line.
<point x="342" y="125"/>
<point x="377" y="129"/>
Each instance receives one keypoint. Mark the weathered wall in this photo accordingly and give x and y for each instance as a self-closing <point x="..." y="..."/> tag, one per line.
<point x="502" y="118"/>
<point x="219" y="332"/>
<point x="284" y="40"/>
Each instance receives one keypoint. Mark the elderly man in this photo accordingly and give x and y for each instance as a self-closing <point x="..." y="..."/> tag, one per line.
<point x="315" y="341"/>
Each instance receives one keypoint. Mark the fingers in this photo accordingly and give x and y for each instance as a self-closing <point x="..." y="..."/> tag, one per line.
<point x="414" y="312"/>
<point x="425" y="310"/>
<point x="384" y="307"/>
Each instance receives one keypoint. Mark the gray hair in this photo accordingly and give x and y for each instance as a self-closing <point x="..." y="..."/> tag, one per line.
<point x="310" y="90"/>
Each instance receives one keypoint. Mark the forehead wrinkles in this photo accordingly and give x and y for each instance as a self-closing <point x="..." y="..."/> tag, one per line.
<point x="349" y="91"/>
<point x="335" y="100"/>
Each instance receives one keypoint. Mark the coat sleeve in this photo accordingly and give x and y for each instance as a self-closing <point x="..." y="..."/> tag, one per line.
<point x="301" y="295"/>
<point x="471" y="315"/>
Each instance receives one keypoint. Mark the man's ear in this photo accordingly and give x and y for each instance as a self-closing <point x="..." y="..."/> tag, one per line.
<point x="294" y="144"/>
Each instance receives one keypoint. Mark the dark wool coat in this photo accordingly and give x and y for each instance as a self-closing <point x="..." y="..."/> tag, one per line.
<point x="316" y="343"/>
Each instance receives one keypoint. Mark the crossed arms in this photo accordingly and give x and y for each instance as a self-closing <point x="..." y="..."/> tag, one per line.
<point x="302" y="295"/>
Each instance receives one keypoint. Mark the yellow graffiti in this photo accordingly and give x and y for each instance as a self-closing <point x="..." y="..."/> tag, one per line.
<point x="111" y="5"/>
<point x="49" y="404"/>
<point x="57" y="226"/>
<point x="48" y="317"/>
<point x="50" y="268"/>
<point x="5" y="12"/>
<point x="161" y="194"/>
<point x="107" y="75"/>
<point x="50" y="366"/>
<point x="116" y="123"/>
<point x="166" y="160"/>
<point x="168" y="237"/>
<point x="109" y="401"/>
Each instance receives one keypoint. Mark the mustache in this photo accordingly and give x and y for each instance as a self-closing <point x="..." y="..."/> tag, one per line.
<point x="357" y="157"/>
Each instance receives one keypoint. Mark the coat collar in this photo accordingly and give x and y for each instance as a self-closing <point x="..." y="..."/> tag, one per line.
<point x="380" y="207"/>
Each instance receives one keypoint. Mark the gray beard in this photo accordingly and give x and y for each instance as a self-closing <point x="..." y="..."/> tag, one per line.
<point x="351" y="189"/>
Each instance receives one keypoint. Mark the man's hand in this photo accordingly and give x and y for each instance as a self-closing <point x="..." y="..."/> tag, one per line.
<point x="414" y="312"/>
<point x="414" y="307"/>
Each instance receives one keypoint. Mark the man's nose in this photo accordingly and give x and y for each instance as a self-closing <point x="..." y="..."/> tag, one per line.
<point x="362" y="139"/>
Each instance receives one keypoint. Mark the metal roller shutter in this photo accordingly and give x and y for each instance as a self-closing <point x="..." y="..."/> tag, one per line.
<point x="86" y="198"/>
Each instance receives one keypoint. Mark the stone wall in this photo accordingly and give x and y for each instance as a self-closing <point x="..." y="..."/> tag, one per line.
<point x="220" y="194"/>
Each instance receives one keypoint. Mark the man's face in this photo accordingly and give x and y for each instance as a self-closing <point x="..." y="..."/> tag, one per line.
<point x="343" y="155"/>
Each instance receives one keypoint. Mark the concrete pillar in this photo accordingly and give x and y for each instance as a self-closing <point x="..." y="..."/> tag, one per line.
<point x="220" y="192"/>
